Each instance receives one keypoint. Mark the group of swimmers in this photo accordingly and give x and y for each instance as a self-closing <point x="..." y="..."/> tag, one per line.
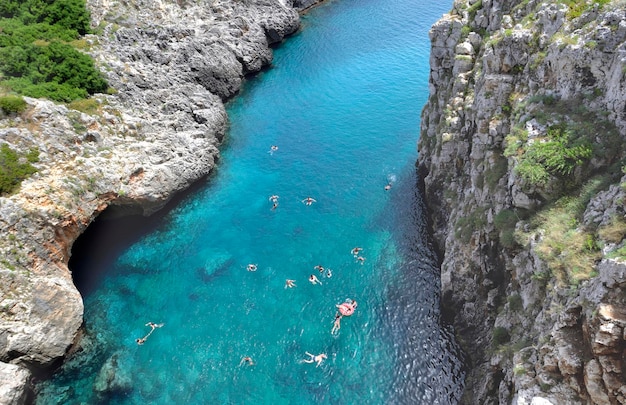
<point x="346" y="308"/>
<point x="313" y="279"/>
<point x="356" y="253"/>
<point x="308" y="200"/>
<point x="153" y="326"/>
<point x="313" y="358"/>
<point x="289" y="283"/>
<point x="274" y="200"/>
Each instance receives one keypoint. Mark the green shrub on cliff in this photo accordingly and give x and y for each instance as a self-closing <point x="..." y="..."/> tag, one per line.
<point x="500" y="336"/>
<point x="36" y="55"/>
<point x="504" y="223"/>
<point x="12" y="104"/>
<point x="569" y="250"/>
<point x="473" y="9"/>
<point x="574" y="136"/>
<point x="577" y="7"/>
<point x="614" y="231"/>
<point x="555" y="155"/>
<point x="14" y="168"/>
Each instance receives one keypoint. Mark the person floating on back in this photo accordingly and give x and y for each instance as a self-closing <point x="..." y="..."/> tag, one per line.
<point x="315" y="358"/>
<point x="346" y="308"/>
<point x="309" y="201"/>
<point x="314" y="280"/>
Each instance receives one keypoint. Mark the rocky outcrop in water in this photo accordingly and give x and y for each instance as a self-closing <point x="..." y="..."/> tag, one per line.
<point x="171" y="65"/>
<point x="521" y="152"/>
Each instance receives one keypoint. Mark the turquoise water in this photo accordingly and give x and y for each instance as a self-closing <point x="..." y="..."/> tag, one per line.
<point x="342" y="103"/>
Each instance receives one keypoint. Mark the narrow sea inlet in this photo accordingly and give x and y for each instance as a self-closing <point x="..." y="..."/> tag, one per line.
<point x="341" y="104"/>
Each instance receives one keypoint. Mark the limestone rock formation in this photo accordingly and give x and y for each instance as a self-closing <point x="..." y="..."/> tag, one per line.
<point x="14" y="387"/>
<point x="112" y="378"/>
<point x="171" y="65"/>
<point x="521" y="147"/>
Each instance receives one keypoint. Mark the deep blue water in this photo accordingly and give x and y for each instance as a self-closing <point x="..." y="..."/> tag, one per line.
<point x="342" y="102"/>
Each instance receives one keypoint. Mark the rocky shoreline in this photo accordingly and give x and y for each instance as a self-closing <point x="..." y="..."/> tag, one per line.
<point x="530" y="338"/>
<point x="533" y="268"/>
<point x="172" y="65"/>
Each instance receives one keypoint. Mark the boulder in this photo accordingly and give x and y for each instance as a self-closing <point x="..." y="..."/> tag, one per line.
<point x="112" y="377"/>
<point x="594" y="384"/>
<point x="15" y="384"/>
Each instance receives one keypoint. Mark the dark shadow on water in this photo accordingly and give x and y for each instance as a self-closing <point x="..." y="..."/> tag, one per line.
<point x="425" y="340"/>
<point x="112" y="232"/>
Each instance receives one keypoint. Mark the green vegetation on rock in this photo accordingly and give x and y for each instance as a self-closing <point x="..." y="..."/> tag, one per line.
<point x="37" y="58"/>
<point x="573" y="137"/>
<point x="557" y="154"/>
<point x="12" y="104"/>
<point x="577" y="7"/>
<point x="569" y="250"/>
<point x="500" y="336"/>
<point x="14" y="168"/>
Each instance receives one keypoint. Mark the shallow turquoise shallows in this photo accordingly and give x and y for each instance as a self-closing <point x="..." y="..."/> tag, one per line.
<point x="342" y="103"/>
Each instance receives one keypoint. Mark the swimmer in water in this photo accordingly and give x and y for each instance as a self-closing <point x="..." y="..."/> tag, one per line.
<point x="329" y="273"/>
<point x="290" y="283"/>
<point x="246" y="359"/>
<point x="336" y="324"/>
<point x="313" y="358"/>
<point x="274" y="200"/>
<point x="273" y="149"/>
<point x="355" y="252"/>
<point x="390" y="180"/>
<point x="314" y="280"/>
<point x="251" y="267"/>
<point x="152" y="325"/>
<point x="309" y="201"/>
<point x="360" y="259"/>
<point x="319" y="268"/>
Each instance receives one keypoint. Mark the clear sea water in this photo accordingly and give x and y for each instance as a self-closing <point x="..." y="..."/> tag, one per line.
<point x="342" y="102"/>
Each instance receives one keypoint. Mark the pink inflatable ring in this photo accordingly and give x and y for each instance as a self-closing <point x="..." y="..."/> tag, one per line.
<point x="347" y="308"/>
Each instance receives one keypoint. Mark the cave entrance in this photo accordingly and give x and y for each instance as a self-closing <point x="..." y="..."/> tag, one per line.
<point x="111" y="233"/>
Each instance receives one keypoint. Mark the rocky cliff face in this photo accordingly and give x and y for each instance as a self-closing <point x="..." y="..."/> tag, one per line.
<point x="172" y="64"/>
<point x="521" y="152"/>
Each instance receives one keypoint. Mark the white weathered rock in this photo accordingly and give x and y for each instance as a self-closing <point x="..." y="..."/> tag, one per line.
<point x="594" y="384"/>
<point x="14" y="386"/>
